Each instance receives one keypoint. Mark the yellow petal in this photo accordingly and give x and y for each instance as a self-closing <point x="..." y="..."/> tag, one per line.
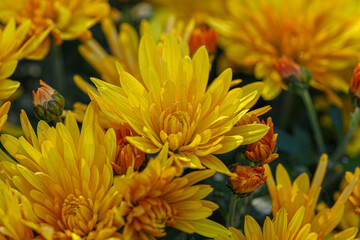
<point x="209" y="228"/>
<point x="214" y="163"/>
<point x="7" y="88"/>
<point x="250" y="132"/>
<point x="143" y="144"/>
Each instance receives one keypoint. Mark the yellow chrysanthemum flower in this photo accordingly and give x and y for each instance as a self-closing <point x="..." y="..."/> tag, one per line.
<point x="300" y="193"/>
<point x="12" y="225"/>
<point x="350" y="218"/>
<point x="124" y="47"/>
<point x="155" y="198"/>
<point x="66" y="176"/>
<point x="175" y="108"/>
<point x="70" y="19"/>
<point x="14" y="46"/>
<point x="282" y="228"/>
<point x="317" y="35"/>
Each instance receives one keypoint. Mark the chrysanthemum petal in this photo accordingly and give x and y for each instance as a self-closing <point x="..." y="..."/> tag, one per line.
<point x="143" y="144"/>
<point x="250" y="132"/>
<point x="214" y="163"/>
<point x="209" y="228"/>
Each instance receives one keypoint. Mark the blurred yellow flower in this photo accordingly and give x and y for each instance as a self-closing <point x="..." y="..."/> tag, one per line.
<point x="198" y="8"/>
<point x="282" y="228"/>
<point x="67" y="177"/>
<point x="12" y="225"/>
<point x="319" y="36"/>
<point x="14" y="46"/>
<point x="175" y="108"/>
<point x="70" y="19"/>
<point x="156" y="198"/>
<point x="300" y="193"/>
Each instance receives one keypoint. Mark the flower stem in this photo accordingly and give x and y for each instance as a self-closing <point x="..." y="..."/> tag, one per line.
<point x="244" y="202"/>
<point x="59" y="77"/>
<point x="354" y="121"/>
<point x="232" y="210"/>
<point x="304" y="93"/>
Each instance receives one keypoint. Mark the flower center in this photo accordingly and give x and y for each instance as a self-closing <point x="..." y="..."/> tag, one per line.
<point x="77" y="215"/>
<point x="175" y="129"/>
<point x="174" y="123"/>
<point x="152" y="215"/>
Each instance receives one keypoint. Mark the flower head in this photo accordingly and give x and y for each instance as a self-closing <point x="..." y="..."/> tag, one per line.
<point x="203" y="35"/>
<point x="315" y="35"/>
<point x="355" y="85"/>
<point x="156" y="198"/>
<point x="48" y="103"/>
<point x="262" y="151"/>
<point x="245" y="179"/>
<point x="279" y="228"/>
<point x="66" y="176"/>
<point x="292" y="196"/>
<point x="68" y="19"/>
<point x="175" y="108"/>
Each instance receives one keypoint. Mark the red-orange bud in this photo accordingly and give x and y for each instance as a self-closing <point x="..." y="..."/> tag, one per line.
<point x="355" y="85"/>
<point x="262" y="151"/>
<point x="126" y="154"/>
<point x="287" y="68"/>
<point x="245" y="179"/>
<point x="203" y="35"/>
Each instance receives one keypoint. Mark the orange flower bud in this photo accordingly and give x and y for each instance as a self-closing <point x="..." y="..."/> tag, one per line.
<point x="245" y="179"/>
<point x="126" y="154"/>
<point x="48" y="103"/>
<point x="290" y="72"/>
<point x="287" y="68"/>
<point x="355" y="85"/>
<point x="203" y="35"/>
<point x="262" y="151"/>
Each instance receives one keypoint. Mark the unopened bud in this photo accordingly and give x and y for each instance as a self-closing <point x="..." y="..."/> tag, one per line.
<point x="48" y="103"/>
<point x="262" y="151"/>
<point x="127" y="155"/>
<point x="355" y="86"/>
<point x="200" y="36"/>
<point x="291" y="73"/>
<point x="245" y="179"/>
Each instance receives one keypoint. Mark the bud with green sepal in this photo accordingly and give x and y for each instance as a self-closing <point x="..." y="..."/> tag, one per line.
<point x="48" y="103"/>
